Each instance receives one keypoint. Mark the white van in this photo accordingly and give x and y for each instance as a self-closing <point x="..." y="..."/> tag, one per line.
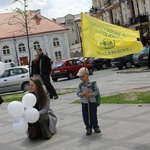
<point x="9" y="65"/>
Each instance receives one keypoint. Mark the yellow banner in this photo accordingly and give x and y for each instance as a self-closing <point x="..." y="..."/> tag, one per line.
<point x="104" y="40"/>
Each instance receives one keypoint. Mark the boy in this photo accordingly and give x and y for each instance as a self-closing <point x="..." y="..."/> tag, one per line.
<point x="88" y="101"/>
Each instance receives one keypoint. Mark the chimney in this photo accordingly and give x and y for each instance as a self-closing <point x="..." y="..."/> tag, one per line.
<point x="38" y="13"/>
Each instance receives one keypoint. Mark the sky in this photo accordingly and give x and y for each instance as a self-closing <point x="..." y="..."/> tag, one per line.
<point x="49" y="8"/>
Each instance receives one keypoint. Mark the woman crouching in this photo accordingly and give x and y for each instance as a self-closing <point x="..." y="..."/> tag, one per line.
<point x="45" y="127"/>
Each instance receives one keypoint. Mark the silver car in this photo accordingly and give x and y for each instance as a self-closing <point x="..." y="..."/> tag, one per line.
<point x="15" y="79"/>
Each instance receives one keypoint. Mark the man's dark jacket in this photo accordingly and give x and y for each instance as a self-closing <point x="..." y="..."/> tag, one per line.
<point x="45" y="64"/>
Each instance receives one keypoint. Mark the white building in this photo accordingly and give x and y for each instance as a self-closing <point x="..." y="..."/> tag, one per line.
<point x="44" y="33"/>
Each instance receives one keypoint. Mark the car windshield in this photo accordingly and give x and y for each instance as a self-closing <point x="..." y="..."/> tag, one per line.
<point x="58" y="65"/>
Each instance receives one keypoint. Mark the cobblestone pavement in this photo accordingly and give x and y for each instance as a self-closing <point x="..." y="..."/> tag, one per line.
<point x="124" y="127"/>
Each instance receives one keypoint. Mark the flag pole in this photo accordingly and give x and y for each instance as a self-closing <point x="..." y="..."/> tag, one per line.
<point x="89" y="117"/>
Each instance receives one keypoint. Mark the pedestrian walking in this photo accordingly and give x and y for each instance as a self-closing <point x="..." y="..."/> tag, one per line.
<point x="88" y="101"/>
<point x="45" y="68"/>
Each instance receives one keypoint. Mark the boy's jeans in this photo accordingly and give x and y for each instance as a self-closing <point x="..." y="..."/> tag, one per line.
<point x="93" y="115"/>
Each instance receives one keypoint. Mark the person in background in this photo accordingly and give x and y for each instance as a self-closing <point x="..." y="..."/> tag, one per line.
<point x="145" y="39"/>
<point x="88" y="101"/>
<point x="45" y="68"/>
<point x="35" y="70"/>
<point x="45" y="127"/>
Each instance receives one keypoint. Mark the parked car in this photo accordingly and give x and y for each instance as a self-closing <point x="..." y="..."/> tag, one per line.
<point x="125" y="61"/>
<point x="15" y="79"/>
<point x="99" y="63"/>
<point x="141" y="59"/>
<point x="88" y="60"/>
<point x="68" y="68"/>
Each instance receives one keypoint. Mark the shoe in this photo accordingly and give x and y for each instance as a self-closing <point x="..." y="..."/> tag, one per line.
<point x="97" y="130"/>
<point x="88" y="132"/>
<point x="56" y="97"/>
<point x="51" y="97"/>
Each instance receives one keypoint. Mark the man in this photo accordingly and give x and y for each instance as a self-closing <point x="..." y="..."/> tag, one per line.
<point x="146" y="42"/>
<point x="45" y="68"/>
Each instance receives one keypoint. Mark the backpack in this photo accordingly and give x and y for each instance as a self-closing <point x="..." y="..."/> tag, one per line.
<point x="98" y="97"/>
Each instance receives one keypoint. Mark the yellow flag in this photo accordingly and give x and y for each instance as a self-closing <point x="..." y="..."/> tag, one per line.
<point x="104" y="40"/>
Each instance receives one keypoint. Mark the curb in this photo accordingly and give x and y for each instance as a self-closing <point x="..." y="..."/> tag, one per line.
<point x="135" y="71"/>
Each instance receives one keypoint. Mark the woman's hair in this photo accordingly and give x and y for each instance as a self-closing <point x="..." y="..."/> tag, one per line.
<point x="40" y="93"/>
<point x="36" y="59"/>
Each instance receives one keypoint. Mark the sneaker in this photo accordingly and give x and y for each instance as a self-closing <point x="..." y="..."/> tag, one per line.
<point x="97" y="130"/>
<point x="88" y="132"/>
<point x="56" y="97"/>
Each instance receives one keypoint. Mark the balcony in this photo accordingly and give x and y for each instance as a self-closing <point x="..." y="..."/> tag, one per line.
<point x="94" y="11"/>
<point x="138" y="19"/>
<point x="110" y="4"/>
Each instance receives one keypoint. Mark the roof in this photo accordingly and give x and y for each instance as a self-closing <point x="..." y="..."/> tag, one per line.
<point x="12" y="25"/>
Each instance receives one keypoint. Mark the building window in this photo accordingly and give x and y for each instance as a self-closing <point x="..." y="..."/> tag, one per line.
<point x="7" y="61"/>
<point x="36" y="45"/>
<point x="58" y="55"/>
<point x="21" y="47"/>
<point x="56" y="42"/>
<point x="6" y="50"/>
<point x="69" y="22"/>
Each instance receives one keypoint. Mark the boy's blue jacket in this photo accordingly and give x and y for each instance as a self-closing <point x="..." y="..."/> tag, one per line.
<point x="82" y="87"/>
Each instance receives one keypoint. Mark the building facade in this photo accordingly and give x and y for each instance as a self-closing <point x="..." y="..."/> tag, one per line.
<point x="133" y="14"/>
<point x="73" y="23"/>
<point x="44" y="33"/>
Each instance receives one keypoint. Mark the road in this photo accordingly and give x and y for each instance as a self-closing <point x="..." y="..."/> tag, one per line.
<point x="110" y="81"/>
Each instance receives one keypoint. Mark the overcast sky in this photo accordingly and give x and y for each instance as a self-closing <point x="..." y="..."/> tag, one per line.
<point x="50" y="8"/>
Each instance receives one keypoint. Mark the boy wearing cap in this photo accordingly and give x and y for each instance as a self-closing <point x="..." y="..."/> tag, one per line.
<point x="88" y="101"/>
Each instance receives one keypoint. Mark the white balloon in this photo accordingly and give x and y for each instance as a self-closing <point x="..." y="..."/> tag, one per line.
<point x="29" y="100"/>
<point x="15" y="109"/>
<point x="2" y="67"/>
<point x="20" y="126"/>
<point x="31" y="115"/>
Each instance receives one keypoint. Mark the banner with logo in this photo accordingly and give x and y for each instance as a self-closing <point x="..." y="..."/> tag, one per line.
<point x="104" y="40"/>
